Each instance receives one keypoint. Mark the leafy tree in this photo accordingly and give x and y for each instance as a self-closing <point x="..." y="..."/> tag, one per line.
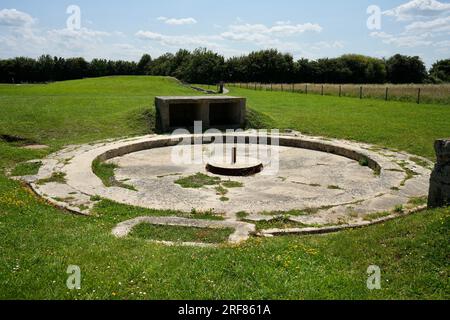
<point x="162" y="66"/>
<point x="181" y="58"/>
<point x="269" y="66"/>
<point x="235" y="69"/>
<point x="98" y="68"/>
<point x="406" y="69"/>
<point x="441" y="70"/>
<point x="75" y="68"/>
<point x="144" y="64"/>
<point x="363" y="69"/>
<point x="203" y="66"/>
<point x="305" y="71"/>
<point x="45" y="68"/>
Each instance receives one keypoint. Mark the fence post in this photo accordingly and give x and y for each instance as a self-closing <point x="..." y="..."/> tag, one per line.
<point x="271" y="86"/>
<point x="387" y="94"/>
<point x="282" y="87"/>
<point x="306" y="89"/>
<point x="418" y="96"/>
<point x="360" y="92"/>
<point x="293" y="87"/>
<point x="322" y="91"/>
<point x="340" y="90"/>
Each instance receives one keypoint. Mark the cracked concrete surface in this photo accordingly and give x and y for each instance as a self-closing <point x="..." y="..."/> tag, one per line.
<point x="320" y="182"/>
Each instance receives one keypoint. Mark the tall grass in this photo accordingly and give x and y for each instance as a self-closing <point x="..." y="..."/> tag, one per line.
<point x="429" y="93"/>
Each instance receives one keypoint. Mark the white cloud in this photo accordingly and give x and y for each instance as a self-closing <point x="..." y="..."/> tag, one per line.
<point x="436" y="25"/>
<point x="265" y="36"/>
<point x="418" y="9"/>
<point x="78" y="34"/>
<point x="283" y="22"/>
<point x="428" y="21"/>
<point x="327" y="45"/>
<point x="246" y="37"/>
<point x="442" y="44"/>
<point x="281" y="29"/>
<point x="262" y="36"/>
<point x="409" y="41"/>
<point x="179" y="41"/>
<point x="25" y="37"/>
<point x="15" y="18"/>
<point x="81" y="41"/>
<point x="177" y="22"/>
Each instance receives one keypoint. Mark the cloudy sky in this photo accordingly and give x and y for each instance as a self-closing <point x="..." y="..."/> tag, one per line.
<point x="119" y="29"/>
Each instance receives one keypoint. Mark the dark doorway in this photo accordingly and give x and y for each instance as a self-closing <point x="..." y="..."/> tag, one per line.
<point x="221" y="114"/>
<point x="184" y="114"/>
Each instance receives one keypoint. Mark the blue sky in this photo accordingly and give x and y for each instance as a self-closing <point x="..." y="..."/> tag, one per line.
<point x="312" y="29"/>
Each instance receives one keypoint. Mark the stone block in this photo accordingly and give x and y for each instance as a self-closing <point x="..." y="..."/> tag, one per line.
<point x="439" y="194"/>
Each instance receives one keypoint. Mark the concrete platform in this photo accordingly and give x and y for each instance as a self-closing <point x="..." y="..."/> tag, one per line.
<point x="320" y="177"/>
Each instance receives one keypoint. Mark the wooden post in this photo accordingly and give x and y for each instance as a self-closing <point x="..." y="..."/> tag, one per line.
<point x="234" y="155"/>
<point x="306" y="89"/>
<point x="282" y="87"/>
<point x="360" y="92"/>
<point x="293" y="87"/>
<point x="418" y="96"/>
<point x="271" y="87"/>
<point x="387" y="94"/>
<point x="340" y="91"/>
<point x="322" y="91"/>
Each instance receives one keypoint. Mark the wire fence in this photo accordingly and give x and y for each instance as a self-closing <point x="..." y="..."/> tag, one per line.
<point x="412" y="93"/>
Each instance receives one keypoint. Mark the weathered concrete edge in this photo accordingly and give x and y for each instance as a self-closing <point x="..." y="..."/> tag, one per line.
<point x="334" y="229"/>
<point x="56" y="204"/>
<point x="139" y="139"/>
<point x="242" y="230"/>
<point x="126" y="146"/>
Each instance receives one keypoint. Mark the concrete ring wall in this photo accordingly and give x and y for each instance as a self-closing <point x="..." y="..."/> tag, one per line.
<point x="82" y="186"/>
<point x="344" y="151"/>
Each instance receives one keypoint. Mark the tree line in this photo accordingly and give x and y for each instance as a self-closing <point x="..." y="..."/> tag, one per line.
<point x="207" y="67"/>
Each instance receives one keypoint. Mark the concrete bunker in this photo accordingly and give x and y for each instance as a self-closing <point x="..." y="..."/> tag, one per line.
<point x="214" y="111"/>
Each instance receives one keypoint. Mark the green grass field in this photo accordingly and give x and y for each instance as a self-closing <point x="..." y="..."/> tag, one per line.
<point x="38" y="241"/>
<point x="398" y="125"/>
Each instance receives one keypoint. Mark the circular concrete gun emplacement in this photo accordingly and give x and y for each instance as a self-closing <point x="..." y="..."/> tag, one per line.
<point x="306" y="184"/>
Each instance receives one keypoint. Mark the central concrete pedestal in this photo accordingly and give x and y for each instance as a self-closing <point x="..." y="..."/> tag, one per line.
<point x="243" y="167"/>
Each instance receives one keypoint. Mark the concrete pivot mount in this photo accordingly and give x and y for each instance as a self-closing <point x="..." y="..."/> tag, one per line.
<point x="236" y="166"/>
